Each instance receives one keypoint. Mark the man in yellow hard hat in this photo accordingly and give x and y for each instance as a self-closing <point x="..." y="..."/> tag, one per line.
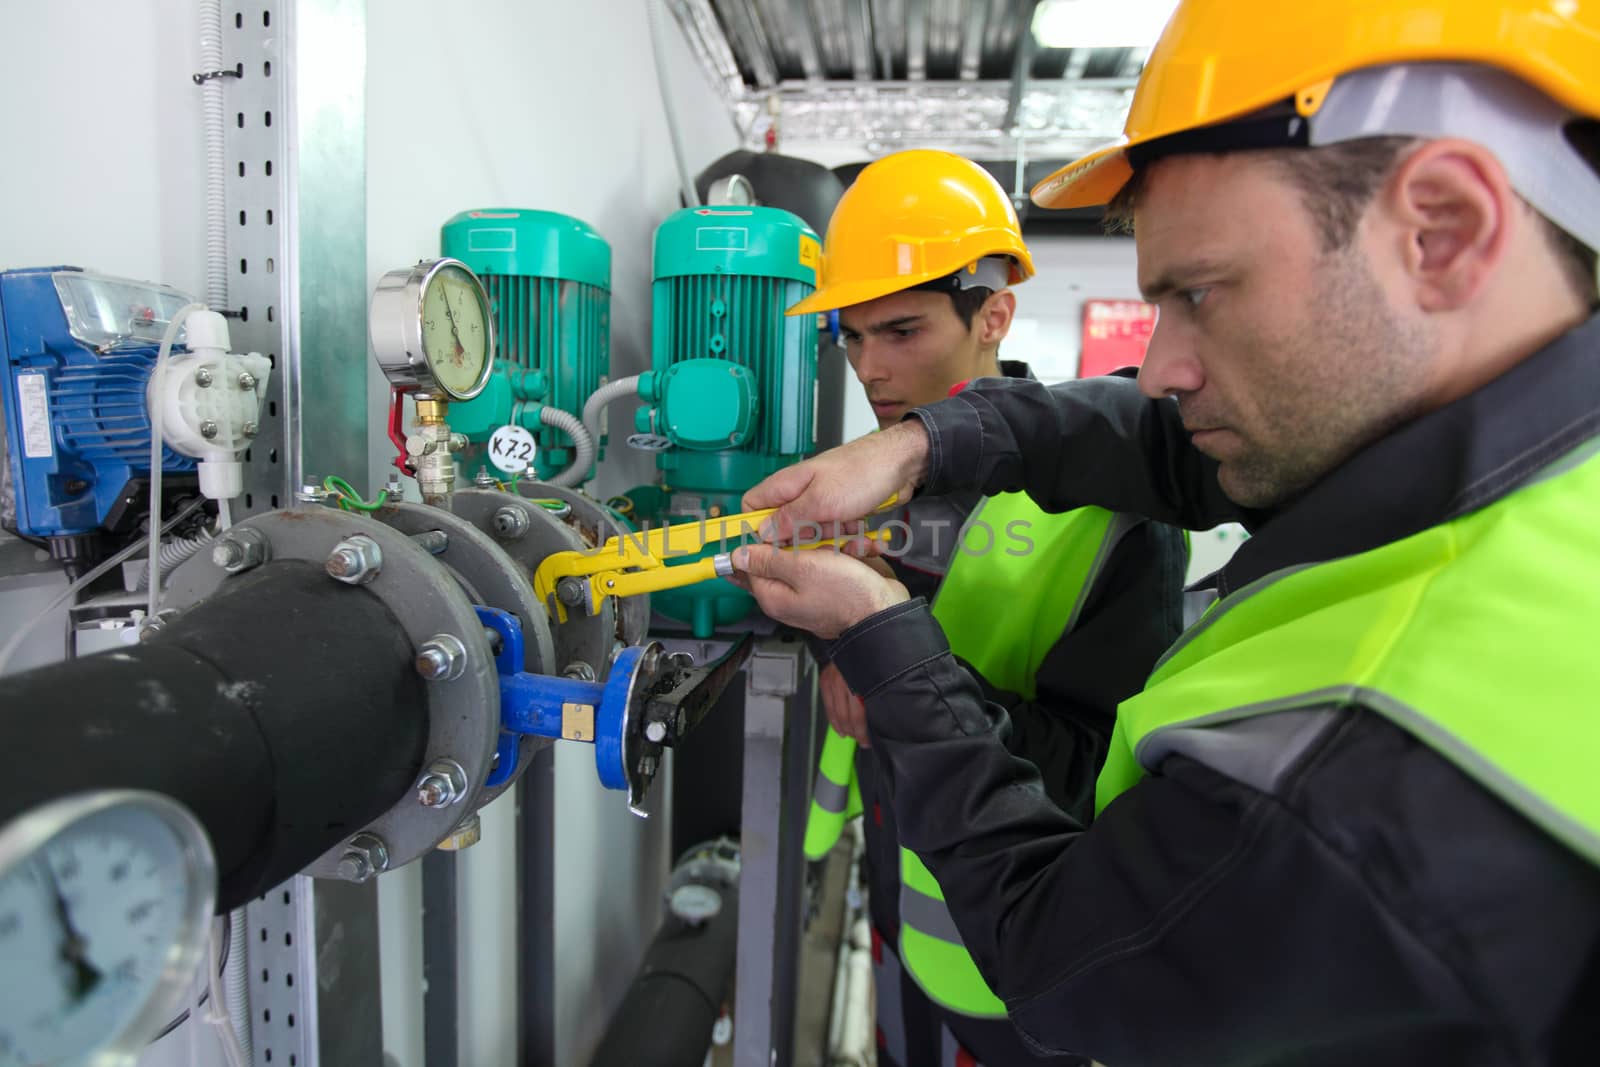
<point x="1353" y="817"/>
<point x="1059" y="616"/>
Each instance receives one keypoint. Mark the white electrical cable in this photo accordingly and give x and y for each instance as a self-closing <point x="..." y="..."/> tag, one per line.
<point x="594" y="409"/>
<point x="72" y="590"/>
<point x="159" y="378"/>
<point x="217" y="1011"/>
<point x="216" y="160"/>
<point x="578" y="471"/>
<point x="690" y="197"/>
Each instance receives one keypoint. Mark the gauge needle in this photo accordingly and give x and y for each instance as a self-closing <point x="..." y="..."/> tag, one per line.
<point x="453" y="331"/>
<point x="84" y="974"/>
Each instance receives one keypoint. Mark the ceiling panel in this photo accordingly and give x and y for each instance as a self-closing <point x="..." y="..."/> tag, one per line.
<point x="888" y="73"/>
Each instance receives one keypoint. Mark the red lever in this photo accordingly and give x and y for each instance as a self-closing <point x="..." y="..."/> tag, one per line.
<point x="402" y="460"/>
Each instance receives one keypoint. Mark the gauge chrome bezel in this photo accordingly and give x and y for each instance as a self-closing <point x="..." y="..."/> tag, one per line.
<point x="394" y="327"/>
<point x="27" y="834"/>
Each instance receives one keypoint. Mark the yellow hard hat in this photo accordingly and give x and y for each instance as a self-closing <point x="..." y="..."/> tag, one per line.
<point x="1217" y="62"/>
<point x="910" y="218"/>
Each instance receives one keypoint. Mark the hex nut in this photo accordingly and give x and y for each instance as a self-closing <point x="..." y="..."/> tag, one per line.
<point x="442" y="784"/>
<point x="442" y="658"/>
<point x="239" y="550"/>
<point x="365" y="856"/>
<point x="511" y="523"/>
<point x="356" y="560"/>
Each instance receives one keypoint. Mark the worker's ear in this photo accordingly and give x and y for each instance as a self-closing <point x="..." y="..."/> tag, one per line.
<point x="1454" y="210"/>
<point x="994" y="318"/>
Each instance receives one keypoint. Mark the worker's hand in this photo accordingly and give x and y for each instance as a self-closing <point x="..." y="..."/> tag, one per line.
<point x="846" y="714"/>
<point x="818" y="590"/>
<point x="843" y="484"/>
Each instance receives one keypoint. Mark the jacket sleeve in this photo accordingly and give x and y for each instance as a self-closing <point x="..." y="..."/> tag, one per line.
<point x="1194" y="918"/>
<point x="1131" y="615"/>
<point x="1087" y="441"/>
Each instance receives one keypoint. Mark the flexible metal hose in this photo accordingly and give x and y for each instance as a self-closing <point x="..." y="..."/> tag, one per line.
<point x="236" y="980"/>
<point x="578" y="471"/>
<point x="594" y="409"/>
<point x="211" y="111"/>
<point x="174" y="551"/>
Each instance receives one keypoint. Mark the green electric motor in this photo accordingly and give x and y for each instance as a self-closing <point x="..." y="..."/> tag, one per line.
<point x="731" y="394"/>
<point x="549" y="282"/>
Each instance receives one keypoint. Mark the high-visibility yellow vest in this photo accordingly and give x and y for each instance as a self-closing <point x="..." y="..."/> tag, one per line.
<point x="1018" y="581"/>
<point x="1478" y="637"/>
<point x="1002" y="612"/>
<point x="835" y="796"/>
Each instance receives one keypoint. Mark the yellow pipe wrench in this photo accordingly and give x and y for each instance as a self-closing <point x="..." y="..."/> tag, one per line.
<point x="633" y="564"/>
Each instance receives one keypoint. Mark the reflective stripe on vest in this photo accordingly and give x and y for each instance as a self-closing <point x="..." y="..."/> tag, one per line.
<point x="1476" y="636"/>
<point x="1002" y="611"/>
<point x="835" y="797"/>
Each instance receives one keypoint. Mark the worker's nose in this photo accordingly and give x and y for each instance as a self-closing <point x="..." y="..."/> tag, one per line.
<point x="869" y="364"/>
<point x="1171" y="366"/>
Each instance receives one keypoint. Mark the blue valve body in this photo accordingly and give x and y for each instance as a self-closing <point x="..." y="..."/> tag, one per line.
<point x="532" y="703"/>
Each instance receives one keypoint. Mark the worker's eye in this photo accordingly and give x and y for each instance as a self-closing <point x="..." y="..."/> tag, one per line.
<point x="904" y="333"/>
<point x="1195" y="297"/>
<point x="850" y="338"/>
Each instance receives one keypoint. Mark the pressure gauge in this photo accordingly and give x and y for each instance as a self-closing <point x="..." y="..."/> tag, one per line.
<point x="105" y="903"/>
<point x="431" y="330"/>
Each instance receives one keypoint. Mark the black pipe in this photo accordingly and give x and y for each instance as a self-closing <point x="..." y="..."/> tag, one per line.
<point x="284" y="712"/>
<point x="666" y="1017"/>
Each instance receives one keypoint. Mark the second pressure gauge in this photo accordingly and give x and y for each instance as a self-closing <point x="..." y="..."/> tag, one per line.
<point x="105" y="901"/>
<point x="431" y="330"/>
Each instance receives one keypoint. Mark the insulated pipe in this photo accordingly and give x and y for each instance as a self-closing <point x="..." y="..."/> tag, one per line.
<point x="578" y="471"/>
<point x="216" y="161"/>
<point x="856" y="1031"/>
<point x="666" y="1017"/>
<point x="285" y="712"/>
<point x="594" y="409"/>
<point x="841" y="1005"/>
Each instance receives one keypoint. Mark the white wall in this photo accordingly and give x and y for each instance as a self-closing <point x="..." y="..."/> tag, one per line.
<point x="529" y="103"/>
<point x="101" y="128"/>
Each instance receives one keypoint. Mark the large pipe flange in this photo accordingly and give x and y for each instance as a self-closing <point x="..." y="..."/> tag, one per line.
<point x="488" y="577"/>
<point x="455" y="662"/>
<point x="529" y="532"/>
<point x="599" y="524"/>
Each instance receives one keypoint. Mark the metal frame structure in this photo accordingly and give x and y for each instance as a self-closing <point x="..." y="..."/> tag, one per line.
<point x="296" y="207"/>
<point x="779" y="756"/>
<point x="867" y="78"/>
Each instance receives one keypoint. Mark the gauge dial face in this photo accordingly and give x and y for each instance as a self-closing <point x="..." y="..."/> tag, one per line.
<point x="455" y="330"/>
<point x="695" y="903"/>
<point x="98" y="934"/>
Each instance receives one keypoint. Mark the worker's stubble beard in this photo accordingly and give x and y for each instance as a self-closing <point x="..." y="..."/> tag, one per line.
<point x="1322" y="383"/>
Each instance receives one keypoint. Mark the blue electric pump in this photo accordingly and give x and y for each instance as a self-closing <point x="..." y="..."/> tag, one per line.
<point x="76" y="353"/>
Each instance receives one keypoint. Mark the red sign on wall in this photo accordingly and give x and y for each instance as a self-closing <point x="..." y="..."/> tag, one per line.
<point x="1115" y="334"/>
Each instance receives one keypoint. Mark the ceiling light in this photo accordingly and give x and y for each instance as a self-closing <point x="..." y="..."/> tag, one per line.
<point x="1100" y="23"/>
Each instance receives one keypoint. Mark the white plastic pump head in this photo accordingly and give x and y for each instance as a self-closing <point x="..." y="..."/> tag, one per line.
<point x="210" y="403"/>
